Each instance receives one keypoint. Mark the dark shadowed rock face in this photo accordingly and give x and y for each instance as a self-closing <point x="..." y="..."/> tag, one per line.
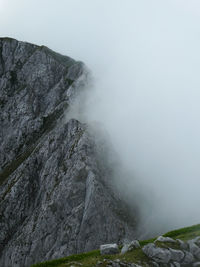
<point x="55" y="195"/>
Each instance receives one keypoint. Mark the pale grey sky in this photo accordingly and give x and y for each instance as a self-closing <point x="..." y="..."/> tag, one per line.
<point x="145" y="57"/>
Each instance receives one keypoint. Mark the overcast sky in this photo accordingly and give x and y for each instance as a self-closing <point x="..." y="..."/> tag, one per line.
<point x="145" y="58"/>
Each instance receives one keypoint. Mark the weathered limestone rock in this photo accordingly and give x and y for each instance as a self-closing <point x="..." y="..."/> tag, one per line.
<point x="183" y="245"/>
<point x="194" y="249"/>
<point x="176" y="264"/>
<point x="160" y="255"/>
<point x="189" y="258"/>
<point x="109" y="249"/>
<point x="155" y="264"/>
<point x="55" y="196"/>
<point x="130" y="246"/>
<point x="176" y="255"/>
<point x="196" y="264"/>
<point x="196" y="240"/>
<point x="165" y="239"/>
<point x="187" y="255"/>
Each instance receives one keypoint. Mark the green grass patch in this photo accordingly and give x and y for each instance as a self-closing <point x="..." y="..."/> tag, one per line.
<point x="91" y="258"/>
<point x="185" y="233"/>
<point x="167" y="245"/>
<point x="78" y="258"/>
<point x="145" y="242"/>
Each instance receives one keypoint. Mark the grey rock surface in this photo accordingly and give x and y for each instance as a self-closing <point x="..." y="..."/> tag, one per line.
<point x="165" y="239"/>
<point x="185" y="254"/>
<point x="160" y="255"/>
<point x="125" y="248"/>
<point x="108" y="249"/>
<point x="155" y="264"/>
<point x="176" y="255"/>
<point x="183" y="245"/>
<point x="189" y="258"/>
<point x="130" y="246"/>
<point x="176" y="264"/>
<point x="196" y="240"/>
<point x="194" y="249"/>
<point x="134" y="244"/>
<point x="55" y="195"/>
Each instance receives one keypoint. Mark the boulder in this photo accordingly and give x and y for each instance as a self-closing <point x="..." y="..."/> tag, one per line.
<point x="183" y="245"/>
<point x="125" y="248"/>
<point x="196" y="264"/>
<point x="130" y="246"/>
<point x="160" y="255"/>
<point x="108" y="249"/>
<point x="165" y="239"/>
<point x="176" y="264"/>
<point x="155" y="264"/>
<point x="176" y="255"/>
<point x="134" y="244"/>
<point x="194" y="249"/>
<point x="189" y="258"/>
<point x="196" y="240"/>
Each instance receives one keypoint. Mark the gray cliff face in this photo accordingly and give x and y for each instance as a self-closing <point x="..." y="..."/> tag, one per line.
<point x="55" y="192"/>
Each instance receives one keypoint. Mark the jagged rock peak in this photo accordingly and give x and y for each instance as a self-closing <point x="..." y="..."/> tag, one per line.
<point x="36" y="87"/>
<point x="55" y="197"/>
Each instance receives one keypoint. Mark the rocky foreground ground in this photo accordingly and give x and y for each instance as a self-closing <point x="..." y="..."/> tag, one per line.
<point x="177" y="248"/>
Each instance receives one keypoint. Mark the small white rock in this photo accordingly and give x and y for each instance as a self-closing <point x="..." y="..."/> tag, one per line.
<point x="165" y="239"/>
<point x="109" y="249"/>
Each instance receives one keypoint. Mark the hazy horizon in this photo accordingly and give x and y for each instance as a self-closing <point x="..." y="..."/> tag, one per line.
<point x="145" y="60"/>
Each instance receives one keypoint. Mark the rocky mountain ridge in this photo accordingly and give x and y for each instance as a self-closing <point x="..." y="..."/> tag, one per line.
<point x="55" y="195"/>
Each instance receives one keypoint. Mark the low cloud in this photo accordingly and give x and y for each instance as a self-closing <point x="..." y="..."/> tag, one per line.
<point x="145" y="60"/>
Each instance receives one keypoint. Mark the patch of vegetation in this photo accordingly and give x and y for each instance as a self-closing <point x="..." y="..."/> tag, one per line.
<point x="145" y="242"/>
<point x="7" y="39"/>
<point x="90" y="256"/>
<point x="167" y="245"/>
<point x="48" y="124"/>
<point x="13" y="78"/>
<point x="185" y="233"/>
<point x="69" y="82"/>
<point x="10" y="168"/>
<point x="20" y="88"/>
<point x="135" y="256"/>
<point x="90" y="259"/>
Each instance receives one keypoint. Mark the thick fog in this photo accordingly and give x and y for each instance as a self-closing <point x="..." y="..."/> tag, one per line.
<point x="145" y="61"/>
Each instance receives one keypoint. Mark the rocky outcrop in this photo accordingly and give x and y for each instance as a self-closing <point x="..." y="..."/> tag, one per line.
<point x="55" y="194"/>
<point x="159" y="255"/>
<point x="165" y="239"/>
<point x="130" y="246"/>
<point x="163" y="252"/>
<point x="36" y="86"/>
<point x="109" y="249"/>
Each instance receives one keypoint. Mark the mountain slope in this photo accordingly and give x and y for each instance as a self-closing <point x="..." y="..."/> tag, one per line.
<point x="55" y="192"/>
<point x="136" y="256"/>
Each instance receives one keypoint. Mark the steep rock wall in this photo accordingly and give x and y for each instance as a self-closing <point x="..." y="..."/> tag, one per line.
<point x="55" y="194"/>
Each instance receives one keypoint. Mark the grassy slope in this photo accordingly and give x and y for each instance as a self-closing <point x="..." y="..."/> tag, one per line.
<point x="90" y="259"/>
